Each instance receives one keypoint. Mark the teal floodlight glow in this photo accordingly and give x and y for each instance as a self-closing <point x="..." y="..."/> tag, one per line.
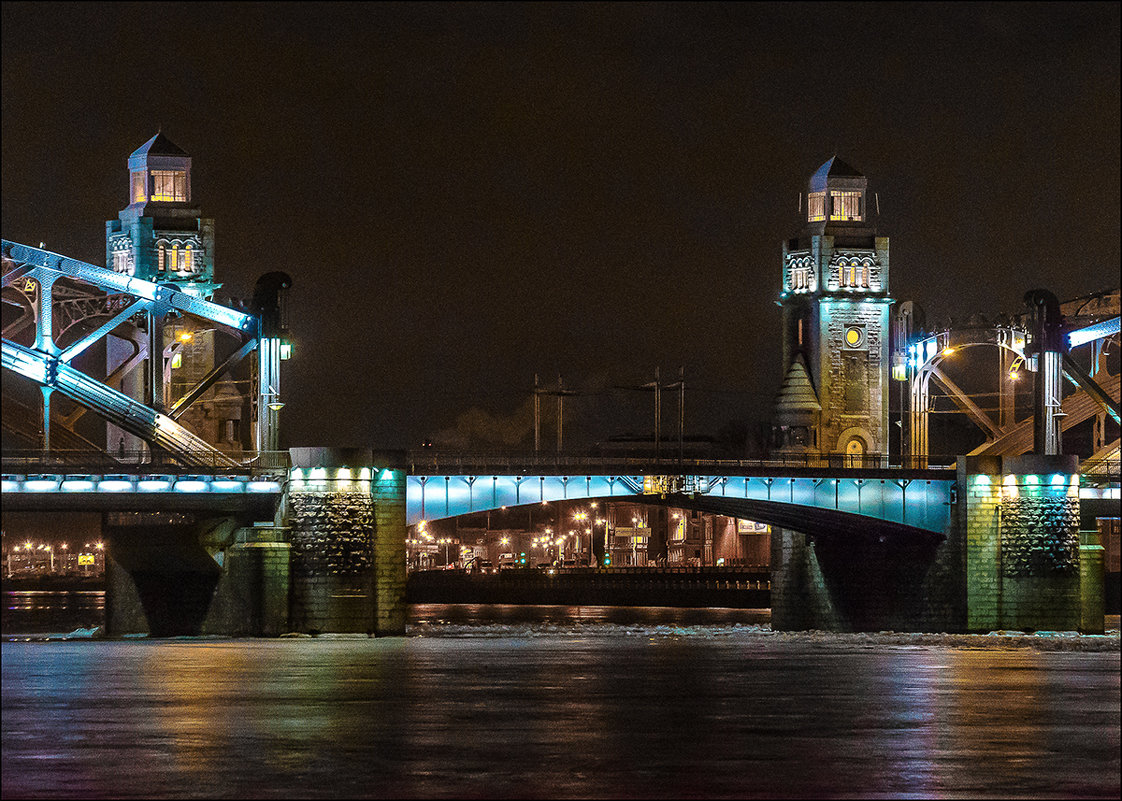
<point x="77" y="484"/>
<point x="115" y="484"/>
<point x="192" y="484"/>
<point x="41" y="484"/>
<point x="154" y="483"/>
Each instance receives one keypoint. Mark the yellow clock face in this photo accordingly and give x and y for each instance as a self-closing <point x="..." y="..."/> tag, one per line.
<point x="854" y="336"/>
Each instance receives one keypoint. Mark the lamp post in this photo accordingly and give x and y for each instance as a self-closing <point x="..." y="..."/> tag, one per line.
<point x="580" y="517"/>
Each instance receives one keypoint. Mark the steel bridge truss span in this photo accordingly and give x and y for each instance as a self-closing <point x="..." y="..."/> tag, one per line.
<point x="116" y="407"/>
<point x="918" y="503"/>
<point x="1003" y="435"/>
<point x="47" y="364"/>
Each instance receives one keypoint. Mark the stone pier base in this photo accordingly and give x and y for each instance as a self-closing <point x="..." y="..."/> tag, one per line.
<point x="346" y="510"/>
<point x="1021" y="515"/>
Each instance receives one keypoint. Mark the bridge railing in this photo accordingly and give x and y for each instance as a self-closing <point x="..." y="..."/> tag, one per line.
<point x="1109" y="469"/>
<point x="432" y="462"/>
<point x="128" y="462"/>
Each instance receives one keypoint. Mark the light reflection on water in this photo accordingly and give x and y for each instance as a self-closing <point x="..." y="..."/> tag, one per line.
<point x="546" y="713"/>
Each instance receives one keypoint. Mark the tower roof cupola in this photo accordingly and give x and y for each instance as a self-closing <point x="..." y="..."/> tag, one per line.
<point x="158" y="145"/>
<point x="833" y="168"/>
<point x="161" y="235"/>
<point x="837" y="192"/>
<point x="161" y="172"/>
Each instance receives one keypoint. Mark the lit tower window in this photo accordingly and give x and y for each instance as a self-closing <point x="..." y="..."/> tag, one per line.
<point x="188" y="258"/>
<point x="139" y="191"/>
<point x="816" y="206"/>
<point x="845" y="205"/>
<point x="169" y="185"/>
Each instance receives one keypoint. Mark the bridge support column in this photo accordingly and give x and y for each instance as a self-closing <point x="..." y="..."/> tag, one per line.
<point x="160" y="580"/>
<point x="252" y="596"/>
<point x="800" y="599"/>
<point x="1020" y="516"/>
<point x="347" y="519"/>
<point x="1092" y="583"/>
<point x="388" y="491"/>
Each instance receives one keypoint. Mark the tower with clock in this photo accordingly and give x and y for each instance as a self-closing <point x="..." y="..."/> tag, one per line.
<point x="835" y="323"/>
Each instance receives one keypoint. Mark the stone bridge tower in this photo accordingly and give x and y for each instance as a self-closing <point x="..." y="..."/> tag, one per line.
<point x="835" y="329"/>
<point x="161" y="235"/>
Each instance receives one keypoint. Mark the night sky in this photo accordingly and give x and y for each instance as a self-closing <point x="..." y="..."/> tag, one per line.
<point x="467" y="195"/>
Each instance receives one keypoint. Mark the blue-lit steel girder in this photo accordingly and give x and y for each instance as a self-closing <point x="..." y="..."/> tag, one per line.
<point x="918" y="503"/>
<point x="114" y="406"/>
<point x="89" y="339"/>
<point x="1092" y="332"/>
<point x="45" y="363"/>
<point x="46" y="263"/>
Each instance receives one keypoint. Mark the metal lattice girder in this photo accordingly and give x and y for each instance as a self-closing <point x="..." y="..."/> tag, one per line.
<point x="62" y="266"/>
<point x="1077" y="407"/>
<point x="964" y="402"/>
<point x="1074" y="370"/>
<point x="114" y="406"/>
<point x="210" y="380"/>
<point x="1092" y="332"/>
<point x="92" y="337"/>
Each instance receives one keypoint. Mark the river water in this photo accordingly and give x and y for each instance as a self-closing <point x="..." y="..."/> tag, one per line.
<point x="548" y="702"/>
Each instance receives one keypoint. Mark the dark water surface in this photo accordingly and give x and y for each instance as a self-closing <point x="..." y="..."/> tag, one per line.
<point x="558" y="705"/>
<point x="52" y="610"/>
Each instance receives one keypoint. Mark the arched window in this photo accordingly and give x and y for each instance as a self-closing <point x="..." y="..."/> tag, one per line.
<point x="188" y="258"/>
<point x="865" y="275"/>
<point x="174" y="257"/>
<point x="855" y="447"/>
<point x="841" y="274"/>
<point x="162" y="257"/>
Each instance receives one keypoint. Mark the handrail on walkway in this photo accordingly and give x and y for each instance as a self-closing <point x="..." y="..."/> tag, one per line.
<point x="128" y="462"/>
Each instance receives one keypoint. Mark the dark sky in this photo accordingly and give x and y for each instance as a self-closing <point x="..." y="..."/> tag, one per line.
<point x="467" y="195"/>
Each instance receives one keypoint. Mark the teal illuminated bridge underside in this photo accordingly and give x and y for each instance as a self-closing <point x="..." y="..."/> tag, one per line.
<point x="919" y="503"/>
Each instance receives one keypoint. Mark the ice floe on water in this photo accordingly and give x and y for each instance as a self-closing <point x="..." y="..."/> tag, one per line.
<point x="763" y="633"/>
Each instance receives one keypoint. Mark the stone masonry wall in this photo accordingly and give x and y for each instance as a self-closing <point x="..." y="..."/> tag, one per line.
<point x="1021" y="519"/>
<point x="1039" y="536"/>
<point x="388" y="494"/>
<point x="332" y="537"/>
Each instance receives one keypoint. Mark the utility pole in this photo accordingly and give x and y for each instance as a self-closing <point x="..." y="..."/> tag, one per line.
<point x="537" y="415"/>
<point x="560" y="394"/>
<point x="657" y="386"/>
<point x="560" y="411"/>
<point x="680" y="385"/>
